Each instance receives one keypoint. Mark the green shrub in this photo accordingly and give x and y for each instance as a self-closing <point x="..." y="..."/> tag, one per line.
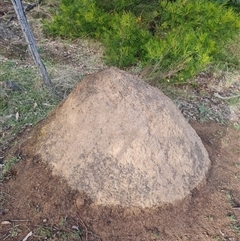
<point x="187" y="35"/>
<point x="124" y="40"/>
<point x="234" y="4"/>
<point x="77" y="18"/>
<point x="116" y="5"/>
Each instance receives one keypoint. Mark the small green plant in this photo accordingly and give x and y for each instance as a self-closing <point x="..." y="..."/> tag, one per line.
<point x="157" y="235"/>
<point x="37" y="209"/>
<point x="64" y="236"/>
<point x="7" y="166"/>
<point x="237" y="228"/>
<point x="229" y="198"/>
<point x="237" y="175"/>
<point x="45" y="232"/>
<point x="59" y="232"/>
<point x="14" y="231"/>
<point x="218" y="238"/>
<point x="237" y="165"/>
<point x="234" y="101"/>
<point x="204" y="111"/>
<point x="63" y="221"/>
<point x="234" y="224"/>
<point x="236" y="126"/>
<point x="232" y="218"/>
<point x="76" y="234"/>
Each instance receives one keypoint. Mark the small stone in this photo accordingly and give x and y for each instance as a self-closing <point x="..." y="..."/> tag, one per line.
<point x="79" y="202"/>
<point x="75" y="227"/>
<point x="6" y="222"/>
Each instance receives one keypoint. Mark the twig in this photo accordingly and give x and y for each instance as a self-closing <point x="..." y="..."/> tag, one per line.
<point x="19" y="220"/>
<point x="83" y="224"/>
<point x="31" y="6"/>
<point x="27" y="236"/>
<point x="225" y="98"/>
<point x="6" y="237"/>
<point x="86" y="230"/>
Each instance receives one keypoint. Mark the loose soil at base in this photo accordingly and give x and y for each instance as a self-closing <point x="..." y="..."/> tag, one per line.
<point x="34" y="200"/>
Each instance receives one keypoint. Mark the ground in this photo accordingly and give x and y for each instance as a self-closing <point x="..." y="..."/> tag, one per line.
<point x="39" y="202"/>
<point x="33" y="200"/>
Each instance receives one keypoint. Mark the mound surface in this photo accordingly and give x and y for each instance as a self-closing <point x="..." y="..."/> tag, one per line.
<point x="122" y="142"/>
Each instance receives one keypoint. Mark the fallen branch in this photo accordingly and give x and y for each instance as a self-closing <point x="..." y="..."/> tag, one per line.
<point x="226" y="98"/>
<point x="32" y="6"/>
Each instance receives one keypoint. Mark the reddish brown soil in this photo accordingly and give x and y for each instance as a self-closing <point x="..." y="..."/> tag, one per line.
<point x="34" y="199"/>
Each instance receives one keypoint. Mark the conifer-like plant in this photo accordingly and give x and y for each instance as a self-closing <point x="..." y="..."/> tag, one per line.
<point x="173" y="41"/>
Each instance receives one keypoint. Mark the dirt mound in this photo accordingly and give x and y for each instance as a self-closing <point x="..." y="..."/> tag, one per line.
<point x="35" y="200"/>
<point x="122" y="142"/>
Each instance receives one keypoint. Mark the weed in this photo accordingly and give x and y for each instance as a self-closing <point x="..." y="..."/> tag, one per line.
<point x="236" y="126"/>
<point x="237" y="175"/>
<point x="204" y="111"/>
<point x="236" y="227"/>
<point x="229" y="198"/>
<point x="14" y="231"/>
<point x="232" y="218"/>
<point x="234" y="224"/>
<point x="218" y="238"/>
<point x="45" y="232"/>
<point x="156" y="235"/>
<point x="37" y="209"/>
<point x="76" y="234"/>
<point x="63" y="236"/>
<point x="235" y="100"/>
<point x="63" y="221"/>
<point x="59" y="233"/>
<point x="236" y="164"/>
<point x="8" y="165"/>
<point x="218" y="133"/>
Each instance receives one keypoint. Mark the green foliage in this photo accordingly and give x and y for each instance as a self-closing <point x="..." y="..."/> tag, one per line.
<point x="117" y="5"/>
<point x="174" y="40"/>
<point x="234" y="4"/>
<point x="7" y="166"/>
<point x="189" y="36"/>
<point x="45" y="232"/>
<point x="124" y="40"/>
<point x="77" y="18"/>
